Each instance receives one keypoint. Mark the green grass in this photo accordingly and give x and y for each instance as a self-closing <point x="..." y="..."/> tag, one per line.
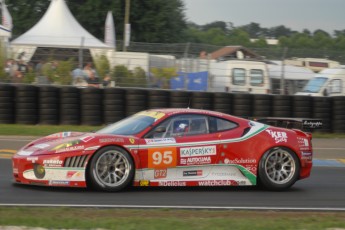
<point x="87" y="218"/>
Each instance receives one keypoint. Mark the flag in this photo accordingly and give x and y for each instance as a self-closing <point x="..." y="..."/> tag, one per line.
<point x="6" y="16"/>
<point x="109" y="33"/>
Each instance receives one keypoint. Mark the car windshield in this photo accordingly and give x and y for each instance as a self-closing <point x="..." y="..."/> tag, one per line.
<point x="314" y="85"/>
<point x="129" y="126"/>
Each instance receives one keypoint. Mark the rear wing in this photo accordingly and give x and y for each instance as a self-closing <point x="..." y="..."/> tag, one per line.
<point x="303" y="124"/>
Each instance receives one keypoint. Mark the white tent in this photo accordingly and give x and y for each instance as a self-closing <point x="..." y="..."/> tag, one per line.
<point x="57" y="28"/>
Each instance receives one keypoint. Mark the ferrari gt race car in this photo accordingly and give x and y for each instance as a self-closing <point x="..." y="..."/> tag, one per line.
<point x="169" y="147"/>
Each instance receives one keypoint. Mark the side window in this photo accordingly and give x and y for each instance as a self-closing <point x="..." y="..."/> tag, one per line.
<point x="181" y="125"/>
<point x="219" y="125"/>
<point x="256" y="77"/>
<point x="335" y="86"/>
<point x="238" y="76"/>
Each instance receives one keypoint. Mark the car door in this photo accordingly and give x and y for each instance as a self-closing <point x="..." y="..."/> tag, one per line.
<point x="181" y="148"/>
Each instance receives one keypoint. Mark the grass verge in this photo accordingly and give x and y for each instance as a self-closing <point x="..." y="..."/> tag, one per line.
<point x="87" y="218"/>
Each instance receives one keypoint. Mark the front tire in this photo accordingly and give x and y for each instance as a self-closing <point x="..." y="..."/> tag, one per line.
<point x="111" y="169"/>
<point x="279" y="169"/>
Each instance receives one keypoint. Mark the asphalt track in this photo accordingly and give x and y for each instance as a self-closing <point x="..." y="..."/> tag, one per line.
<point x="323" y="191"/>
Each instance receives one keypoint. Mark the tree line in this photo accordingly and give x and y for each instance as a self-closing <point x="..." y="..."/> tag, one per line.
<point x="161" y="21"/>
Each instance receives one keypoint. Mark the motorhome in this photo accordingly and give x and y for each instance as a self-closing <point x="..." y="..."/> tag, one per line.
<point x="314" y="64"/>
<point x="328" y="82"/>
<point x="238" y="76"/>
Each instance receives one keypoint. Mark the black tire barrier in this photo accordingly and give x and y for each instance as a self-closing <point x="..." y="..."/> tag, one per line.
<point x="114" y="104"/>
<point x="7" y="94"/>
<point x="262" y="105"/>
<point x="91" y="106"/>
<point x="49" y="112"/>
<point x="282" y="106"/>
<point x="29" y="104"/>
<point x="222" y="102"/>
<point x="242" y="105"/>
<point x="180" y="99"/>
<point x="338" y="114"/>
<point x="136" y="100"/>
<point x="202" y="100"/>
<point x="26" y="104"/>
<point x="69" y="106"/>
<point x="302" y="107"/>
<point x="158" y="99"/>
<point x="322" y="109"/>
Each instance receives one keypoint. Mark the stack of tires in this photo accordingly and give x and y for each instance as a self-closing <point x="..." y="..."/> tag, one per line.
<point x="49" y="105"/>
<point x="302" y="107"/>
<point x="91" y="106"/>
<point x="69" y="106"/>
<point x="338" y="114"/>
<point x="322" y="109"/>
<point x="282" y="106"/>
<point x="113" y="104"/>
<point x="202" y="100"/>
<point x="158" y="99"/>
<point x="136" y="100"/>
<point x="242" y="105"/>
<point x="262" y="105"/>
<point x="26" y="104"/>
<point x="7" y="93"/>
<point x="180" y="99"/>
<point x="222" y="102"/>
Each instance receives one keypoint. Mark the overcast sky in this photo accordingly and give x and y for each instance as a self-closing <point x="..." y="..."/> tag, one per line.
<point x="328" y="15"/>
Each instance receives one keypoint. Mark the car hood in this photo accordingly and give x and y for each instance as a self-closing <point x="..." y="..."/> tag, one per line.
<point x="72" y="141"/>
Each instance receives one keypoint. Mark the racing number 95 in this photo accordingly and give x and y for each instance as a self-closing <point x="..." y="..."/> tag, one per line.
<point x="162" y="157"/>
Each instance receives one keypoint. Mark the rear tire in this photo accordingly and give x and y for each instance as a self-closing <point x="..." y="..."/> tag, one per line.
<point x="279" y="169"/>
<point x="111" y="169"/>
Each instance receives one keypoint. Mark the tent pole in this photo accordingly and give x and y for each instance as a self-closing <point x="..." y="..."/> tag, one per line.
<point x="81" y="53"/>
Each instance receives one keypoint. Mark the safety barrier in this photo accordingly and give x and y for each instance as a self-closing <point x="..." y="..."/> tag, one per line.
<point x="29" y="104"/>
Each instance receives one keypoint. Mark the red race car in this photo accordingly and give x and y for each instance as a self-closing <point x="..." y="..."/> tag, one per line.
<point x="169" y="147"/>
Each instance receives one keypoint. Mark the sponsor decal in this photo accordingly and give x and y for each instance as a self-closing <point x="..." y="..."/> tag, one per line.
<point x="25" y="153"/>
<point x="312" y="124"/>
<point x="192" y="173"/>
<point x="160" y="173"/>
<point x="115" y="139"/>
<point x="160" y="141"/>
<point x="198" y="151"/>
<point x="223" y="174"/>
<point x="172" y="183"/>
<point x="53" y="163"/>
<point x="144" y="182"/>
<point x="278" y="136"/>
<point x="32" y="159"/>
<point x="73" y="174"/>
<point x="131" y="140"/>
<point x="156" y="115"/>
<point x="58" y="182"/>
<point x="86" y="138"/>
<point x="215" y="183"/>
<point x="66" y="145"/>
<point x="307" y="156"/>
<point x="59" y="135"/>
<point x="195" y="160"/>
<point x="70" y="149"/>
<point x="15" y="170"/>
<point x="239" y="161"/>
<point x="92" y="148"/>
<point x="303" y="143"/>
<point x="41" y="146"/>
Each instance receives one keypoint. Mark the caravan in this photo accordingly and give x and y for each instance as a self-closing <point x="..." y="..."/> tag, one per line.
<point x="239" y="76"/>
<point x="328" y="82"/>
